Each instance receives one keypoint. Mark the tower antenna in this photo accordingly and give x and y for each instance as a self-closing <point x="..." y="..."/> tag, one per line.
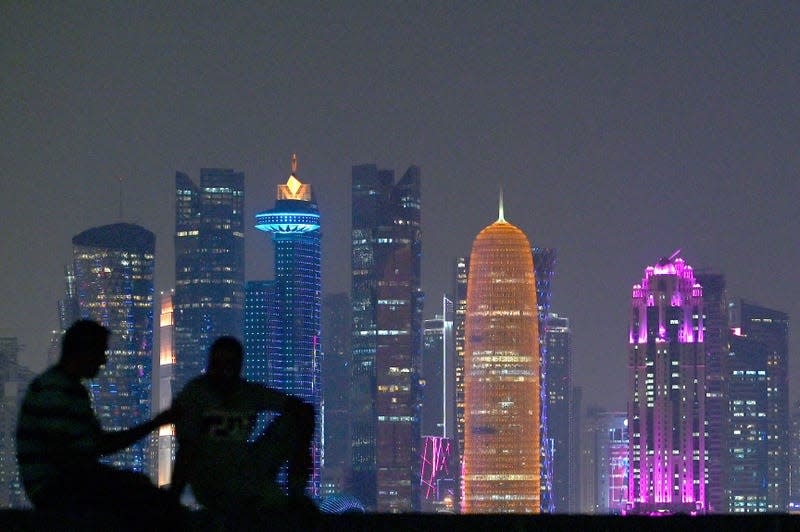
<point x="294" y="164"/>
<point x="501" y="214"/>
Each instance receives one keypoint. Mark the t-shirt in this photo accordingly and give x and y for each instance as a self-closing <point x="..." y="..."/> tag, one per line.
<point x="217" y="426"/>
<point x="57" y="430"/>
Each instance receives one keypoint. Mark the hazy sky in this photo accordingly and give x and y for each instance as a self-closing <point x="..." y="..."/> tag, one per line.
<point x="620" y="132"/>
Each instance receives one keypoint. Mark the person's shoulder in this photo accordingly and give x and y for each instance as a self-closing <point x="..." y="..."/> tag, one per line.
<point x="54" y="378"/>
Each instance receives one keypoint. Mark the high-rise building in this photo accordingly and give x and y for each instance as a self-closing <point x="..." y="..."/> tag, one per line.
<point x="459" y="319"/>
<point x="747" y="426"/>
<point x="606" y="458"/>
<point x="113" y="267"/>
<point x="14" y="378"/>
<point x="336" y="324"/>
<point x="794" y="459"/>
<point x="666" y="382"/>
<point x="163" y="381"/>
<point x="771" y="329"/>
<point x="259" y="301"/>
<point x="438" y="371"/>
<point x="295" y="360"/>
<point x="559" y="408"/>
<point x="209" y="266"/>
<point x="544" y="264"/>
<point x="502" y="461"/>
<point x="715" y="321"/>
<point x="386" y="337"/>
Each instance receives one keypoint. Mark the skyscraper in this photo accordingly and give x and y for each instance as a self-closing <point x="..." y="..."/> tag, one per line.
<point x="666" y="382"/>
<point x="163" y="381"/>
<point x="502" y="463"/>
<point x="259" y="313"/>
<point x="209" y="266"/>
<point x="336" y="325"/>
<point x="559" y="407"/>
<point x="715" y="321"/>
<point x="544" y="264"/>
<point x="14" y="378"/>
<point x="386" y="343"/>
<point x="606" y="475"/>
<point x="459" y="320"/>
<point x="295" y="360"/>
<point x="771" y="329"/>
<point x="113" y="267"/>
<point x="747" y="426"/>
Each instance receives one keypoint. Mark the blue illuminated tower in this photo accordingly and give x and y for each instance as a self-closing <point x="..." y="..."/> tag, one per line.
<point x="295" y="361"/>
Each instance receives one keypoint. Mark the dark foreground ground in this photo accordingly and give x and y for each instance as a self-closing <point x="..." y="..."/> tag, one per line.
<point x="12" y="520"/>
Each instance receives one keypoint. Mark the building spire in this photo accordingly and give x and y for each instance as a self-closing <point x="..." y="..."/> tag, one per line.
<point x="294" y="164"/>
<point x="501" y="217"/>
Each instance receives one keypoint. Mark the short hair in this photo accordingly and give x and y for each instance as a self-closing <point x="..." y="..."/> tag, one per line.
<point x="82" y="336"/>
<point x="227" y="344"/>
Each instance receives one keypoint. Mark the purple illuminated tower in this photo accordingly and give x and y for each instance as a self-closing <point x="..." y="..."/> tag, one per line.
<point x="666" y="405"/>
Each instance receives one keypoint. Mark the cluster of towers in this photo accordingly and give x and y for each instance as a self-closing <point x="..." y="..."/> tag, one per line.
<point x="473" y="410"/>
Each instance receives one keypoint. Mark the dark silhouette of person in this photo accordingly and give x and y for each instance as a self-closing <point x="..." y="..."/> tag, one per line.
<point x="60" y="440"/>
<point x="218" y="411"/>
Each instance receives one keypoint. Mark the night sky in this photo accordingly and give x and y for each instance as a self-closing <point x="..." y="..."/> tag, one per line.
<point x="619" y="132"/>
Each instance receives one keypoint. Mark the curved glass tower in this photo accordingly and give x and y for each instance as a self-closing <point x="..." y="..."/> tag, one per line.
<point x="295" y="362"/>
<point x="113" y="267"/>
<point x="501" y="385"/>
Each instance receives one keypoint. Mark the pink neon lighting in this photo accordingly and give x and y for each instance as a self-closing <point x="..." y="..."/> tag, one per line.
<point x="435" y="458"/>
<point x="666" y="310"/>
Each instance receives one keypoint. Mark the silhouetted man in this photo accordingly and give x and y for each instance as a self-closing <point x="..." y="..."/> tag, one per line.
<point x="59" y="440"/>
<point x="217" y="415"/>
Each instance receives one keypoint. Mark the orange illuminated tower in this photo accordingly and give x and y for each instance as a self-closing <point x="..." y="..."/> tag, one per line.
<point x="501" y="441"/>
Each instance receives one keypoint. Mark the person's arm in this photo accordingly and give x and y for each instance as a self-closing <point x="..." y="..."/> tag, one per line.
<point x="113" y="441"/>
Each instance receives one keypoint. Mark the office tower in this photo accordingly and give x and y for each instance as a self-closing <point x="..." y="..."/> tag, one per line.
<point x="605" y="464"/>
<point x="386" y="337"/>
<point x="575" y="446"/>
<point x="588" y="463"/>
<point x="747" y="426"/>
<point x="794" y="459"/>
<point x="113" y="267"/>
<point x="666" y="382"/>
<point x="559" y="407"/>
<point x="438" y="371"/>
<point x="771" y="328"/>
<point x="502" y="463"/>
<point x="459" y="319"/>
<point x="14" y="378"/>
<point x="544" y="263"/>
<point x="163" y="382"/>
<point x="259" y="301"/>
<point x="715" y="321"/>
<point x="209" y="266"/>
<point x="336" y="372"/>
<point x="295" y="360"/>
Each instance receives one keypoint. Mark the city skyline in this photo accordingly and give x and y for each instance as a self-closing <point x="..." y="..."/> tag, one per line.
<point x="586" y="115"/>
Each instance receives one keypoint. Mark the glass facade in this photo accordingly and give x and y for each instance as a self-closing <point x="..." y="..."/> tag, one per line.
<point x="386" y="338"/>
<point x="502" y="464"/>
<point x="113" y="268"/>
<point x="209" y="266"/>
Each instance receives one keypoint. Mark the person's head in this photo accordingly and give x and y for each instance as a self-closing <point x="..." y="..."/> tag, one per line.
<point x="83" y="348"/>
<point x="225" y="359"/>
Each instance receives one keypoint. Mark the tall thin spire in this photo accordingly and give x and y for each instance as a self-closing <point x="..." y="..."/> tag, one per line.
<point x="501" y="217"/>
<point x="294" y="164"/>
